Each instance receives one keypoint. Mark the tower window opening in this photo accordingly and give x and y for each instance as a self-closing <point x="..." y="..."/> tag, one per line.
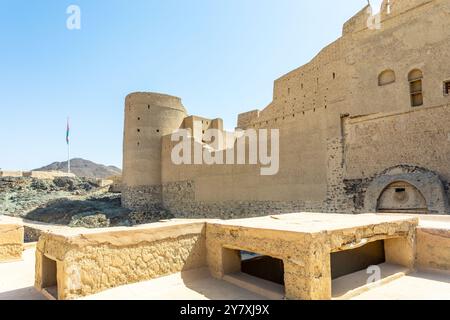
<point x="415" y="78"/>
<point x="447" y="88"/>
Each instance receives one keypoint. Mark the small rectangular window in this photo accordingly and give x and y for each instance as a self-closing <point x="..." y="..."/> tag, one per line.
<point x="447" y="88"/>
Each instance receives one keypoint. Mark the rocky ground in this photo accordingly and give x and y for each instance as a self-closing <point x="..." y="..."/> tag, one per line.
<point x="76" y="202"/>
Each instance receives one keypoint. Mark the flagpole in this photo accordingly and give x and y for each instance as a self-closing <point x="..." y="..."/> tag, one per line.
<point x="68" y="146"/>
<point x="68" y="157"/>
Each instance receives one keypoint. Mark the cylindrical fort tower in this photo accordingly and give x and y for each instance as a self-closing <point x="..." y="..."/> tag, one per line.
<point x="148" y="117"/>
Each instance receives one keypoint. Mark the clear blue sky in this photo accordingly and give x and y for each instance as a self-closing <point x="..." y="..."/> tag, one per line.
<point x="220" y="56"/>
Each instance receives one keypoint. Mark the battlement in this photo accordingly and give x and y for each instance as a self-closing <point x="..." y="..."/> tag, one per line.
<point x="369" y="16"/>
<point x="246" y="118"/>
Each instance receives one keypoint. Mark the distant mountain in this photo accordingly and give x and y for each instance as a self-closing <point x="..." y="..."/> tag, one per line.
<point x="84" y="168"/>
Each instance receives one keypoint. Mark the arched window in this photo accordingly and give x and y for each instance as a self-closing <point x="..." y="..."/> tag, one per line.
<point x="386" y="77"/>
<point x="415" y="87"/>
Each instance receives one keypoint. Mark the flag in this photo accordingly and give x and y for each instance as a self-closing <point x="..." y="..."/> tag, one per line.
<point x="67" y="131"/>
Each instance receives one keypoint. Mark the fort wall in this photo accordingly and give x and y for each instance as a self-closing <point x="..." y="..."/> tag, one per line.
<point x="365" y="104"/>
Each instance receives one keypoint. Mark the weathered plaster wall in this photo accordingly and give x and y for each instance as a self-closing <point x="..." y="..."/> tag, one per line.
<point x="11" y="242"/>
<point x="419" y="137"/>
<point x="433" y="248"/>
<point x="179" y="197"/>
<point x="301" y="178"/>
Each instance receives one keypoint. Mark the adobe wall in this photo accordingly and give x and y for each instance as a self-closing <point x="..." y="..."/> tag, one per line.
<point x="47" y="175"/>
<point x="43" y="175"/>
<point x="226" y="191"/>
<point x="418" y="137"/>
<point x="343" y="77"/>
<point x="12" y="174"/>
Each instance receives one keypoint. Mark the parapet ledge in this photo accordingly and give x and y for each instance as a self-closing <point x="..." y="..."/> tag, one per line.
<point x="125" y="236"/>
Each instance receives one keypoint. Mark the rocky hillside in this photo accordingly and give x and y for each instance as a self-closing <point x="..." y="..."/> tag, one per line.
<point x="84" y="168"/>
<point x="76" y="202"/>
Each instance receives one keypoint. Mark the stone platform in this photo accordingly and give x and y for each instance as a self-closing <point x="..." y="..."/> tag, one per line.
<point x="72" y="263"/>
<point x="305" y="242"/>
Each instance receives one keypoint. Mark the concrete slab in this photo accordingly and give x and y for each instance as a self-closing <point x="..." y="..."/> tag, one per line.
<point x="316" y="222"/>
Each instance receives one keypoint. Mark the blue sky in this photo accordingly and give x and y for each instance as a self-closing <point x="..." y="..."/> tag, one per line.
<point x="220" y="56"/>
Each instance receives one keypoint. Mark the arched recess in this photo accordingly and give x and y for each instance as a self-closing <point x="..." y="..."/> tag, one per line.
<point x="386" y="77"/>
<point x="418" y="182"/>
<point x="402" y="197"/>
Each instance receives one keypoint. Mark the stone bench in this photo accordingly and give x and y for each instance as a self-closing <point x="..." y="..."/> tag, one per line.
<point x="72" y="263"/>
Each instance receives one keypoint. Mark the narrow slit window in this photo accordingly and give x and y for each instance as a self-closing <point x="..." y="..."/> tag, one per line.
<point x="447" y="88"/>
<point x="415" y="78"/>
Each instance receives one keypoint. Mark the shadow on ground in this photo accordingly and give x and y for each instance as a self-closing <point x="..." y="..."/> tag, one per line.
<point x="95" y="212"/>
<point x="29" y="293"/>
<point x="92" y="213"/>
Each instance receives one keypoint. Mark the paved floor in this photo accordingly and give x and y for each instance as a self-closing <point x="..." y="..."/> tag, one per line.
<point x="17" y="278"/>
<point x="193" y="285"/>
<point x="415" y="286"/>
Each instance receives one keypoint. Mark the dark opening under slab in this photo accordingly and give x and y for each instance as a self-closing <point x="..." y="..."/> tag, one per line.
<point x="350" y="261"/>
<point x="264" y="267"/>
